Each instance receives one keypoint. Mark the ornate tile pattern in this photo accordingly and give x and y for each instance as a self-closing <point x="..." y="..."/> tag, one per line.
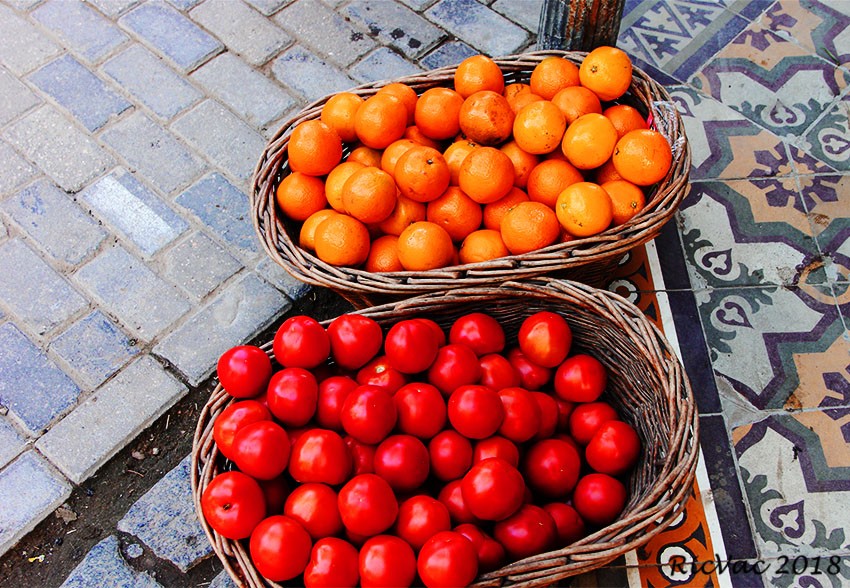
<point x="827" y="199"/>
<point x="820" y="27"/>
<point x="829" y="137"/>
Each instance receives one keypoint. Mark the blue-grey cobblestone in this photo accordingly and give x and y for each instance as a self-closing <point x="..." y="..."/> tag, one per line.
<point x="325" y="30"/>
<point x="395" y="25"/>
<point x="15" y="97"/>
<point x="383" y="64"/>
<point x="104" y="566"/>
<point x="449" y="53"/>
<point x="223" y="580"/>
<point x="11" y="442"/>
<point x="114" y="8"/>
<point x="15" y="171"/>
<point x="184" y="4"/>
<point x="198" y="265"/>
<point x="24" y="47"/>
<point x="476" y="24"/>
<point x="80" y="27"/>
<point x="525" y="13"/>
<point x="268" y="7"/>
<point x="281" y="279"/>
<point x="308" y="74"/>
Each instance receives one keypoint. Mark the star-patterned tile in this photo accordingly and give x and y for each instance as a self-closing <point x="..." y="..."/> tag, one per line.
<point x="820" y="27"/>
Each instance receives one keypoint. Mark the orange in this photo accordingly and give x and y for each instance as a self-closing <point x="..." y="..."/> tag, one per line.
<point x="406" y="94"/>
<point x="625" y="118"/>
<point x="300" y="195"/>
<point x="607" y="71"/>
<point x="477" y="73"/>
<point x="495" y="211"/>
<point x="336" y="180"/>
<point x="523" y="162"/>
<point x="486" y="175"/>
<point x="338" y="113"/>
<point x="369" y="195"/>
<point x="605" y="173"/>
<point x="456" y="212"/>
<point x="539" y="127"/>
<point x="383" y="255"/>
<point x="314" y="148"/>
<point x="482" y="245"/>
<point x="342" y="240"/>
<point x="394" y="150"/>
<point x="643" y="157"/>
<point x="454" y="156"/>
<point x="553" y="74"/>
<point x="437" y="113"/>
<point x="626" y="199"/>
<point x="424" y="246"/>
<point x="307" y="235"/>
<point x="422" y="174"/>
<point x="414" y="134"/>
<point x="589" y="141"/>
<point x="584" y="209"/>
<point x="365" y="155"/>
<point x="529" y="226"/>
<point x="576" y="101"/>
<point x="549" y="179"/>
<point x="513" y="90"/>
<point x="486" y="118"/>
<point x="380" y="120"/>
<point x="405" y="213"/>
<point x="524" y="99"/>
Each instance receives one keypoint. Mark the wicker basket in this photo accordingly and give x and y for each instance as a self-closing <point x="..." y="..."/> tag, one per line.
<point x="646" y="384"/>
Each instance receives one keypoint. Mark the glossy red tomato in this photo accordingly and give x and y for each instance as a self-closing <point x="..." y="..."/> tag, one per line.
<point x="452" y="496"/>
<point x="548" y="415"/>
<point x="363" y="456"/>
<point x="475" y="411"/>
<point x="301" y="342"/>
<point x="403" y="461"/>
<point x="522" y="415"/>
<point x="333" y="564"/>
<point x="280" y="548"/>
<point x="332" y="393"/>
<point x="565" y="409"/>
<point x="233" y="504"/>
<point x="275" y="492"/>
<point x="531" y="375"/>
<point x="420" y="518"/>
<point x="293" y="396"/>
<point x="368" y="414"/>
<point x="529" y="531"/>
<point x="599" y="498"/>
<point x="315" y="507"/>
<point x="436" y="329"/>
<point x="493" y="489"/>
<point x="367" y="505"/>
<point x="450" y="454"/>
<point x="491" y="554"/>
<point x="478" y="331"/>
<point x="261" y="450"/>
<point x="355" y="340"/>
<point x="496" y="446"/>
<point x="410" y="346"/>
<point x="320" y="455"/>
<point x="552" y="467"/>
<point x="421" y="410"/>
<point x="586" y="419"/>
<point x="387" y="561"/>
<point x="454" y="366"/>
<point x="614" y="448"/>
<point x="568" y="522"/>
<point x="244" y="371"/>
<point x="545" y="338"/>
<point x="580" y="378"/>
<point x="233" y="418"/>
<point x="497" y="372"/>
<point x="380" y="373"/>
<point x="447" y="560"/>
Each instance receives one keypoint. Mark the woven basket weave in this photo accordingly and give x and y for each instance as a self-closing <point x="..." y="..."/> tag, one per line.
<point x="646" y="384"/>
<point x="587" y="260"/>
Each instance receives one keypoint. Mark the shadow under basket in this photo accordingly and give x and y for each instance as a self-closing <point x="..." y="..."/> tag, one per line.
<point x="589" y="260"/>
<point x="646" y="384"/>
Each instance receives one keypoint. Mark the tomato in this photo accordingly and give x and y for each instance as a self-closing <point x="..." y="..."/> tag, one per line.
<point x="614" y="448"/>
<point x="531" y="375"/>
<point x="454" y="366"/>
<point x="475" y="411"/>
<point x="333" y="564"/>
<point x="529" y="531"/>
<point x="452" y="496"/>
<point x="450" y="455"/>
<point x="322" y="456"/>
<point x="491" y="554"/>
<point x="436" y="329"/>
<point x="568" y="523"/>
<point x="410" y="346"/>
<point x="581" y="378"/>
<point x="493" y="489"/>
<point x="244" y="371"/>
<point x="315" y="507"/>
<point x="301" y="342"/>
<point x="233" y="504"/>
<point x="420" y="518"/>
<point x="447" y="559"/>
<point x="551" y="467"/>
<point x="332" y="393"/>
<point x="545" y="338"/>
<point x="599" y="498"/>
<point x="497" y="372"/>
<point x="363" y="456"/>
<point x="421" y="410"/>
<point x="367" y="505"/>
<point x="355" y="340"/>
<point x="522" y="415"/>
<point x="280" y="548"/>
<point x="496" y="447"/>
<point x="233" y="418"/>
<point x="387" y="561"/>
<point x="403" y="461"/>
<point x="380" y="373"/>
<point x="478" y="331"/>
<point x="368" y="414"/>
<point x="261" y="450"/>
<point x="565" y="409"/>
<point x="586" y="419"/>
<point x="275" y="492"/>
<point x="293" y="396"/>
<point x="548" y="415"/>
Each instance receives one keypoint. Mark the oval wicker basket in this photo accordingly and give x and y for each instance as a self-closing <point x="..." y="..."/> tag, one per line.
<point x="647" y="384"/>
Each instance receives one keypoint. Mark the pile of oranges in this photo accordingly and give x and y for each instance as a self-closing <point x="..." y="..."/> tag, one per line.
<point x="475" y="172"/>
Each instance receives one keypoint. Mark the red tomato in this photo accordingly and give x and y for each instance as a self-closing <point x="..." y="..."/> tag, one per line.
<point x="450" y="454"/>
<point x="410" y="346"/>
<point x="367" y="505"/>
<point x="551" y="467"/>
<point x="436" y="329"/>
<point x="548" y="415"/>
<point x="496" y="447"/>
<point x="454" y="366"/>
<point x="420" y="518"/>
<point x="244" y="371"/>
<point x="355" y="340"/>
<point x="478" y="331"/>
<point x="421" y="410"/>
<point x="568" y="522"/>
<point x="301" y="342"/>
<point x="403" y="461"/>
<point x="448" y="559"/>
<point x="531" y="375"/>
<point x="565" y="409"/>
<point x="261" y="450"/>
<point x="322" y="456"/>
<point x="452" y="496"/>
<point x="293" y="396"/>
<point x="614" y="448"/>
<point x="545" y="338"/>
<point x="387" y="561"/>
<point x="380" y="373"/>
<point x="368" y="414"/>
<point x="522" y="414"/>
<point x="475" y="411"/>
<point x="332" y="393"/>
<point x="315" y="507"/>
<point x="233" y="418"/>
<point x="586" y="419"/>
<point x="529" y="531"/>
<point x="491" y="554"/>
<point x="599" y="498"/>
<point x="275" y="492"/>
<point x="333" y="564"/>
<point x="280" y="548"/>
<point x="497" y="372"/>
<point x="493" y="489"/>
<point x="363" y="456"/>
<point x="581" y="378"/>
<point x="233" y="504"/>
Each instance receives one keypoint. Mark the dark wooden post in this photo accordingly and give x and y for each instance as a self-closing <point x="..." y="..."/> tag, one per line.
<point x="579" y="25"/>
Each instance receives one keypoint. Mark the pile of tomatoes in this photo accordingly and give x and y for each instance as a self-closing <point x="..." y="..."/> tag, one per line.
<point x="378" y="458"/>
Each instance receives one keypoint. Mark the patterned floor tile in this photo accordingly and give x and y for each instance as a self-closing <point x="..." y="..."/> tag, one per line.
<point x="827" y="198"/>
<point x="818" y="26"/>
<point x="829" y="138"/>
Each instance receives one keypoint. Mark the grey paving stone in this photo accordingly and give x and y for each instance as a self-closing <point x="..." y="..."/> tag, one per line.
<point x="395" y="25"/>
<point x="223" y="580"/>
<point x="478" y="25"/>
<point x="59" y="148"/>
<point x="183" y="4"/>
<point x="217" y="133"/>
<point x="281" y="279"/>
<point x="171" y="34"/>
<point x="58" y="225"/>
<point x="104" y="566"/>
<point x="22" y="4"/>
<point x="30" y="491"/>
<point x="153" y="83"/>
<point x="525" y="13"/>
<point x="199" y="265"/>
<point x="80" y="27"/>
<point x="238" y="86"/>
<point x="113" y="8"/>
<point x="308" y="74"/>
<point x="15" y="98"/>
<point x="154" y="152"/>
<point x="418" y="4"/>
<point x="325" y="31"/>
<point x="11" y="442"/>
<point x="125" y="287"/>
<point x="243" y="30"/>
<point x="383" y="64"/>
<point x="24" y="47"/>
<point x="94" y="431"/>
<point x="164" y="518"/>
<point x="134" y="211"/>
<point x="95" y="348"/>
<point x="33" y="291"/>
<point x="15" y="171"/>
<point x="449" y="53"/>
<point x="238" y="314"/>
<point x="268" y="7"/>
